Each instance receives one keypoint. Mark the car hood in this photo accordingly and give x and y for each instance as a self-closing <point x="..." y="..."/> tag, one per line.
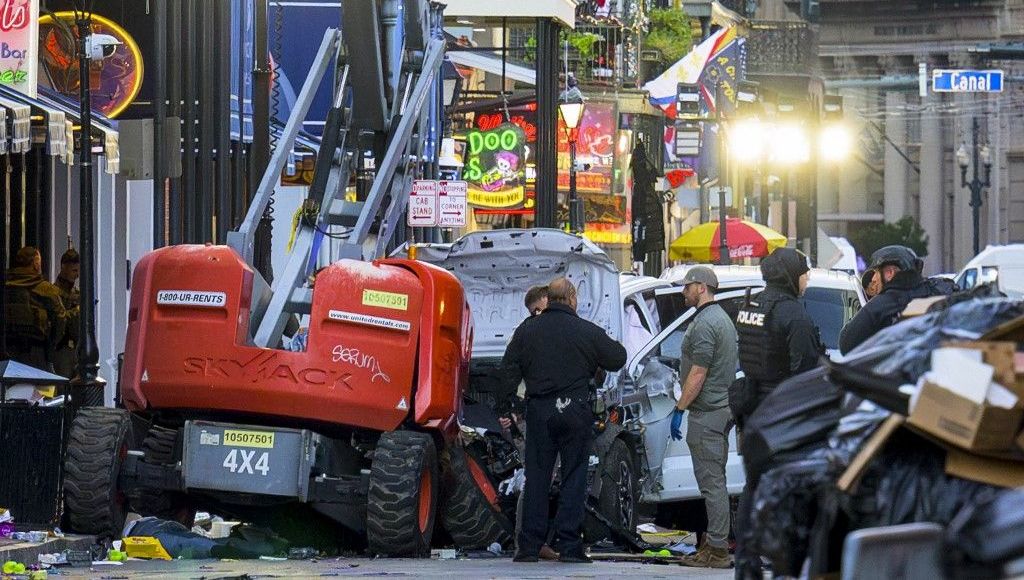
<point x="497" y="267"/>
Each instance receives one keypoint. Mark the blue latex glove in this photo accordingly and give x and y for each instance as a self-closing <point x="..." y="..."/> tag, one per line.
<point x="677" y="424"/>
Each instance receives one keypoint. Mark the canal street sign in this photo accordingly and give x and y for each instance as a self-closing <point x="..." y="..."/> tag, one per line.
<point x="967" y="81"/>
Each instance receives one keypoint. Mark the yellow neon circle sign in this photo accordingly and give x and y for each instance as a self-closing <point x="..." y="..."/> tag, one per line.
<point x="120" y="76"/>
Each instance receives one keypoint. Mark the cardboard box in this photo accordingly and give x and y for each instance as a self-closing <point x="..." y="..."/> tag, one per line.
<point x="1001" y="356"/>
<point x="963" y="422"/>
<point x="920" y="306"/>
<point x="1000" y="472"/>
<point x="851" y="477"/>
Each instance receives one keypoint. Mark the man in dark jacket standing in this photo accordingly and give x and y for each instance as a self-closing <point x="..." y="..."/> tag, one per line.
<point x="36" y="320"/>
<point x="557" y="354"/>
<point x="900" y="270"/>
<point x="778" y="339"/>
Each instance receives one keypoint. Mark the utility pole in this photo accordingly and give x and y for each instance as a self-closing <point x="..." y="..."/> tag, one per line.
<point x="87" y="384"/>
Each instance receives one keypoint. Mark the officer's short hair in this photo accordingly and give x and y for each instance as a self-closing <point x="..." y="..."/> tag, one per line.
<point x="69" y="257"/>
<point x="561" y="290"/>
<point x="25" y="256"/>
<point x="535" y="294"/>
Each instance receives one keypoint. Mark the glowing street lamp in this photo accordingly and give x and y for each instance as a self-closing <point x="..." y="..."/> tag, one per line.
<point x="790" y="144"/>
<point x="835" y="142"/>
<point x="572" y="114"/>
<point x="748" y="140"/>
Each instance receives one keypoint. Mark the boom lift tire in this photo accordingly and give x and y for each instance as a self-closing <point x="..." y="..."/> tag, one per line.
<point x="619" y="489"/>
<point x="402" y="497"/>
<point x="471" y="513"/>
<point x="98" y="442"/>
<point x="168" y="505"/>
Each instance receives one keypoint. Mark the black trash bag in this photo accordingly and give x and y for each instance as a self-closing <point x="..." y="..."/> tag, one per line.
<point x="799" y="414"/>
<point x="900" y="354"/>
<point x="986" y="536"/>
<point x="784" y="512"/>
<point x="906" y="482"/>
<point x="858" y="422"/>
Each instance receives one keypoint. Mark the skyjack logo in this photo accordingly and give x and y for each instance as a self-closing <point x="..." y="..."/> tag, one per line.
<point x="264" y="367"/>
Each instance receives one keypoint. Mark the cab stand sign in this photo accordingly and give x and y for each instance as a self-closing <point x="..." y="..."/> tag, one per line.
<point x="438" y="203"/>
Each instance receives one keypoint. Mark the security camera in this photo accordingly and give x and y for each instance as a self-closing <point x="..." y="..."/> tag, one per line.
<point x="101" y="46"/>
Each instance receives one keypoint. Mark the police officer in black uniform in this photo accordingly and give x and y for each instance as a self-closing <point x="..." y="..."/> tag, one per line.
<point x="778" y="339"/>
<point x="557" y="354"/>
<point x="900" y="269"/>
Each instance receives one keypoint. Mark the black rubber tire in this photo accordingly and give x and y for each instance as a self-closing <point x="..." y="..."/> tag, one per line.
<point x="159" y="447"/>
<point x="394" y="526"/>
<point x="619" y="489"/>
<point x="472" y="520"/>
<point x="98" y="442"/>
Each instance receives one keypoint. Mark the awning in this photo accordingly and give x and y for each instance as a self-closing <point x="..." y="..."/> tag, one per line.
<point x="59" y="129"/>
<point x="561" y="10"/>
<point x="492" y="65"/>
<point x="20" y="138"/>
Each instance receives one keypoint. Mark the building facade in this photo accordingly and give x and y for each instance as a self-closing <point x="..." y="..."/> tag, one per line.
<point x="872" y="53"/>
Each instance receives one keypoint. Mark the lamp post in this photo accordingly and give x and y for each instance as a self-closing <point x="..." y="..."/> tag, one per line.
<point x="975" y="184"/>
<point x="572" y="114"/>
<point x="87" y="382"/>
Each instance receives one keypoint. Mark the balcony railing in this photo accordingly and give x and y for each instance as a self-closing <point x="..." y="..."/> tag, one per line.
<point x="781" y="48"/>
<point x="613" y="59"/>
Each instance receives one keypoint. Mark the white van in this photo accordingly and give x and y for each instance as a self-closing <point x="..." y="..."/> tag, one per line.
<point x="1002" y="265"/>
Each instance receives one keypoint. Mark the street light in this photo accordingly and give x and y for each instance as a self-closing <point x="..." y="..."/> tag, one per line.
<point x="572" y="114"/>
<point x="790" y="144"/>
<point x="834" y="142"/>
<point x="976" y="184"/>
<point x="748" y="139"/>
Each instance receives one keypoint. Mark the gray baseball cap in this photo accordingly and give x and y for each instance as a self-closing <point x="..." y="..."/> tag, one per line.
<point x="701" y="274"/>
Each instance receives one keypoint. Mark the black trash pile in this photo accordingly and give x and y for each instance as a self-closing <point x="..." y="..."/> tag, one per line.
<point x="860" y="444"/>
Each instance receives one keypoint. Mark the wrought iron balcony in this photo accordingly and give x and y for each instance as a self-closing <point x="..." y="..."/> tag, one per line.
<point x="781" y="48"/>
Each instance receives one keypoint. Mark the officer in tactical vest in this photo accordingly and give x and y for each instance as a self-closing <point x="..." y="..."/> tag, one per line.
<point x="900" y="271"/>
<point x="36" y="319"/>
<point x="65" y="361"/>
<point x="778" y="339"/>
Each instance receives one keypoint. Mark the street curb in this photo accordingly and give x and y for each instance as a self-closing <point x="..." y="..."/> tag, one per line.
<point x="28" y="552"/>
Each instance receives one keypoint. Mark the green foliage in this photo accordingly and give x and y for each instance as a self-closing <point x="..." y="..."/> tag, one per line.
<point x="583" y="42"/>
<point x="905" y="232"/>
<point x="530" y="55"/>
<point x="670" y="32"/>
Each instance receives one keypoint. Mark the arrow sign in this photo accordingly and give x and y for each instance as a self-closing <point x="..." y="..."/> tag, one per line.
<point x="423" y="203"/>
<point x="451" y="203"/>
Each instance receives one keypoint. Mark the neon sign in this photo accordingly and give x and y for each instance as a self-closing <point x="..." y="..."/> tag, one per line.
<point x="119" y="77"/>
<point x="19" y="29"/>
<point x="495" y="166"/>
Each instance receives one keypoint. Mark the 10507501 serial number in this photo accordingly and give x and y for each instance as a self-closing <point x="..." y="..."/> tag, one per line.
<point x="258" y="439"/>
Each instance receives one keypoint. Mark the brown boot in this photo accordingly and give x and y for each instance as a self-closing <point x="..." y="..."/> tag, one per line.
<point x="546" y="553"/>
<point x="708" y="557"/>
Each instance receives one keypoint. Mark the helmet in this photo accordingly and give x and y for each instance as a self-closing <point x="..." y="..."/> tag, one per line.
<point x="900" y="256"/>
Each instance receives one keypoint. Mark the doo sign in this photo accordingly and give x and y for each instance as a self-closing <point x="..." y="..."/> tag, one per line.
<point x="967" y="81"/>
<point x="438" y="203"/>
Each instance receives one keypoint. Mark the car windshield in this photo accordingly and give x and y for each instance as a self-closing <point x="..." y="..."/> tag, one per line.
<point x="827" y="306"/>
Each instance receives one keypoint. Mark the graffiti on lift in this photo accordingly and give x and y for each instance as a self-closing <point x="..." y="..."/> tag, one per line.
<point x="359" y="359"/>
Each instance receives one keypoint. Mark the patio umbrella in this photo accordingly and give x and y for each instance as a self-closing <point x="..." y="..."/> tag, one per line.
<point x="746" y="240"/>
